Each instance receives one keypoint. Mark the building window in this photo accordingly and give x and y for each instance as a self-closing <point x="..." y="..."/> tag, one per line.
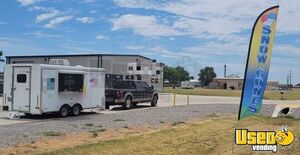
<point x="21" y="78"/>
<point x="138" y="77"/>
<point x="129" y="77"/>
<point x="70" y="82"/>
<point x="156" y="80"/>
<point x="157" y="72"/>
<point x="117" y="77"/>
<point x="138" y="68"/>
<point x="152" y="80"/>
<point x="130" y="68"/>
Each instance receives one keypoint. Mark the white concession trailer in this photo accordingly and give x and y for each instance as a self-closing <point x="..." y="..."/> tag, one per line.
<point x="38" y="88"/>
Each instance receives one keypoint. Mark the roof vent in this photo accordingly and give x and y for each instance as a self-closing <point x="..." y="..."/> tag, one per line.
<point x="62" y="62"/>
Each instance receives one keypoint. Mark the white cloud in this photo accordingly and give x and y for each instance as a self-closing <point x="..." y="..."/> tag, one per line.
<point x="28" y="2"/>
<point x="88" y="1"/>
<point x="286" y="50"/>
<point x="143" y="25"/>
<point x="13" y="46"/>
<point x="38" y="34"/>
<point x="57" y="21"/>
<point x="46" y="16"/>
<point x="215" y="17"/>
<point x="86" y="20"/>
<point x="80" y="50"/>
<point x="101" y="37"/>
<point x="3" y="23"/>
<point x="134" y="47"/>
<point x="40" y="8"/>
<point x="93" y="11"/>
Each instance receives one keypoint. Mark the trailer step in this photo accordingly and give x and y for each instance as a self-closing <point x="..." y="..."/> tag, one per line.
<point x="13" y="115"/>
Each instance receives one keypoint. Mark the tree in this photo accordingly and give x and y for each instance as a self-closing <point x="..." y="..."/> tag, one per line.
<point x="169" y="74"/>
<point x="181" y="74"/>
<point x="175" y="75"/>
<point x="206" y="75"/>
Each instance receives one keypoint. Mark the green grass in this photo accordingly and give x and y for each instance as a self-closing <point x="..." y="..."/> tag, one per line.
<point x="51" y="133"/>
<point x="269" y="94"/>
<point x="211" y="136"/>
<point x="89" y="124"/>
<point x="119" y="120"/>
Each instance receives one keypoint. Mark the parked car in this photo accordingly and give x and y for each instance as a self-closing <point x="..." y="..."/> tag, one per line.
<point x="130" y="93"/>
<point x="187" y="85"/>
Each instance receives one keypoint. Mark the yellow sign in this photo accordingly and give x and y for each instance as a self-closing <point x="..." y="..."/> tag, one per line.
<point x="264" y="140"/>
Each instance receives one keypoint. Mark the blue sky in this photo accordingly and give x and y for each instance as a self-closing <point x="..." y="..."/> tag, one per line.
<point x="191" y="33"/>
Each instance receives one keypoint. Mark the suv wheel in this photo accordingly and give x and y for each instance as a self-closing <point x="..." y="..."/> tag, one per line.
<point x="154" y="101"/>
<point x="127" y="104"/>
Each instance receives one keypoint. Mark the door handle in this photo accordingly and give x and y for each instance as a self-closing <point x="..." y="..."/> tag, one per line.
<point x="27" y="89"/>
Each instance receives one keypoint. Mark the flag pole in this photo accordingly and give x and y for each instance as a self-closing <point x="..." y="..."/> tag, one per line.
<point x="246" y="70"/>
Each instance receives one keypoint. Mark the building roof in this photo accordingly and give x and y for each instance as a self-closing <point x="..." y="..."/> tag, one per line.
<point x="78" y="55"/>
<point x="229" y="77"/>
<point x="232" y="76"/>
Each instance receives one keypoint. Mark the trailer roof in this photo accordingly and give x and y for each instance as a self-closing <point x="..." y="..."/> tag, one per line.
<point x="62" y="67"/>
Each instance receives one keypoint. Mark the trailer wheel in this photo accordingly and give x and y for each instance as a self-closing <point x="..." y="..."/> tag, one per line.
<point x="76" y="109"/>
<point x="154" y="101"/>
<point x="127" y="104"/>
<point x="64" y="111"/>
<point x="107" y="106"/>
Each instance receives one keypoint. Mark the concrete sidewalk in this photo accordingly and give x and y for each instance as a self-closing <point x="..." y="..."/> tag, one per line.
<point x="166" y="100"/>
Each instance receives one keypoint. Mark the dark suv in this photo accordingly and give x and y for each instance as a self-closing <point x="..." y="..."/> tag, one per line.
<point x="130" y="93"/>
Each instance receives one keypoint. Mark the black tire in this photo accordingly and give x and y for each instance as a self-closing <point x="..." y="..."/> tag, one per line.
<point x="154" y="101"/>
<point x="76" y="109"/>
<point x="134" y="104"/>
<point x="127" y="104"/>
<point x="64" y="111"/>
<point x="107" y="106"/>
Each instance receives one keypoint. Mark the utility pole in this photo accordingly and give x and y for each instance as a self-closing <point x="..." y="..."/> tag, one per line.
<point x="290" y="77"/>
<point x="225" y="70"/>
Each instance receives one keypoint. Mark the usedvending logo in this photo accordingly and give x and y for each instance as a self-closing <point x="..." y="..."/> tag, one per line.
<point x="264" y="140"/>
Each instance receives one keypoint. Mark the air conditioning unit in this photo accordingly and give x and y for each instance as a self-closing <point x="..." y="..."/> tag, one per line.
<point x="62" y="62"/>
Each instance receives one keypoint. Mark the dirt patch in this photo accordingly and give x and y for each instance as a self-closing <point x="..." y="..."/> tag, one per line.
<point x="213" y="134"/>
<point x="58" y="142"/>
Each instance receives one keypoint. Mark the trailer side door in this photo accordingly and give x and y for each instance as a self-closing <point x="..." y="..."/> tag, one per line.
<point x="21" y="88"/>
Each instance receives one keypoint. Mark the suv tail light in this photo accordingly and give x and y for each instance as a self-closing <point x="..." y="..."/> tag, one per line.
<point x="119" y="94"/>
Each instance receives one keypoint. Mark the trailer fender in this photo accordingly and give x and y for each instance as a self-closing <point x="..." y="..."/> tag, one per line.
<point x="78" y="105"/>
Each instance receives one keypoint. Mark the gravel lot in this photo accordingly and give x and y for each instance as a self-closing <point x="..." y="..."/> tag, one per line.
<point x="28" y="132"/>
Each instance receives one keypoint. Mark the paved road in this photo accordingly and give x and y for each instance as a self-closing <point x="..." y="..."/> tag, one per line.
<point x="144" y="115"/>
<point x="166" y="99"/>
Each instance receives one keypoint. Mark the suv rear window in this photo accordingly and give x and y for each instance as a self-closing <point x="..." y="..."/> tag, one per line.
<point x="124" y="85"/>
